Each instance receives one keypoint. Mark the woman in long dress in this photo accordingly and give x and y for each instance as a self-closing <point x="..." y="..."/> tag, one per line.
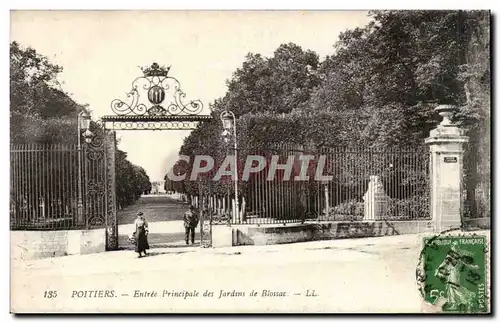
<point x="141" y="234"/>
<point x="458" y="297"/>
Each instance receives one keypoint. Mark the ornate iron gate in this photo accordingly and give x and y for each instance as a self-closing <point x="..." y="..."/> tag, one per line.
<point x="98" y="191"/>
<point x="155" y="102"/>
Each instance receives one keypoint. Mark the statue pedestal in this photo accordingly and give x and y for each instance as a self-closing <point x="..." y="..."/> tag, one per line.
<point x="376" y="200"/>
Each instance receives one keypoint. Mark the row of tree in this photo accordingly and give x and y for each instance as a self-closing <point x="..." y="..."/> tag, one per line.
<point x="42" y="113"/>
<point x="378" y="89"/>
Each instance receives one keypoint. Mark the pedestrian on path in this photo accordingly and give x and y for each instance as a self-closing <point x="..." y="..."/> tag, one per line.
<point x="190" y="222"/>
<point x="141" y="234"/>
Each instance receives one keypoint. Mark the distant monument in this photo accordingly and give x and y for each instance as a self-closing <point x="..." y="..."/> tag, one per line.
<point x="157" y="187"/>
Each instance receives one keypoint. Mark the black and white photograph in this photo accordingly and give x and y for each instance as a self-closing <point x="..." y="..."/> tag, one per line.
<point x="250" y="161"/>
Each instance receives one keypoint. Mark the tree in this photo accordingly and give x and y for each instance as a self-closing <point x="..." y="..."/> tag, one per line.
<point x="385" y="79"/>
<point x="131" y="180"/>
<point x="275" y="84"/>
<point x="262" y="85"/>
<point x="40" y="112"/>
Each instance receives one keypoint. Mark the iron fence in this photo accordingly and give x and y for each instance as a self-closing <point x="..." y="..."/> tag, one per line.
<point x="358" y="184"/>
<point x="372" y="184"/>
<point x="44" y="187"/>
<point x="47" y="191"/>
<point x="277" y="197"/>
<point x="397" y="180"/>
<point x="476" y="185"/>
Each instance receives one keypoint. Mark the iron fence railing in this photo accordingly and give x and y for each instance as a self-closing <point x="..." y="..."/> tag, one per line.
<point x="362" y="184"/>
<point x="476" y="185"/>
<point x="47" y="191"/>
<point x="372" y="184"/>
<point x="43" y="186"/>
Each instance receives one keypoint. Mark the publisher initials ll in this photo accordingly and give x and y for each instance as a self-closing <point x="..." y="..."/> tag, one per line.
<point x="311" y="293"/>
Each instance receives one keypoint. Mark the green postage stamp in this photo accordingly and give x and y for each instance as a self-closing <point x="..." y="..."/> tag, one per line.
<point x="454" y="273"/>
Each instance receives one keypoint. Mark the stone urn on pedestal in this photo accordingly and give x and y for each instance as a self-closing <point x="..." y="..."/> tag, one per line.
<point x="446" y="146"/>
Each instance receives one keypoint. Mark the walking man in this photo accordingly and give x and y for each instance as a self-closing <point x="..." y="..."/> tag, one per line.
<point x="190" y="222"/>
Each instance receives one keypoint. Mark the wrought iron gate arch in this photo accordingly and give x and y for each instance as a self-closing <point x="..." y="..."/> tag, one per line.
<point x="156" y="102"/>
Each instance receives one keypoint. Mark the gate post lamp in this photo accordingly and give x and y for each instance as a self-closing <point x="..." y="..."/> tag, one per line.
<point x="229" y="123"/>
<point x="83" y="124"/>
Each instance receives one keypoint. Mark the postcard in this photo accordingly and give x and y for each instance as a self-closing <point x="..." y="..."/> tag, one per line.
<point x="250" y="161"/>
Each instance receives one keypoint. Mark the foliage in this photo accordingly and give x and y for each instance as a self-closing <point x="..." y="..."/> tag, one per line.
<point x="276" y="84"/>
<point x="131" y="180"/>
<point x="347" y="210"/>
<point x="477" y="81"/>
<point x="30" y="129"/>
<point x="395" y="70"/>
<point x="412" y="208"/>
<point x="40" y="111"/>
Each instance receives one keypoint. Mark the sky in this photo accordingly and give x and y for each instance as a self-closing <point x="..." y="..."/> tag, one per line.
<point x="101" y="51"/>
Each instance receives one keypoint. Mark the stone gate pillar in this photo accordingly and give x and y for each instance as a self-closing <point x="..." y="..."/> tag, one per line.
<point x="111" y="221"/>
<point x="446" y="144"/>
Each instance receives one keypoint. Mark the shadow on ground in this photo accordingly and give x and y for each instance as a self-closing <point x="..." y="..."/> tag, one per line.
<point x="158" y="240"/>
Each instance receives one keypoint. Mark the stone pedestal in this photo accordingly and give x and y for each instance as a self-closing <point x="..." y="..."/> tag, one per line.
<point x="222" y="236"/>
<point x="375" y="200"/>
<point x="446" y="171"/>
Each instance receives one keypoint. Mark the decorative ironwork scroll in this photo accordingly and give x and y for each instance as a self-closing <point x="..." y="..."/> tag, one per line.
<point x="100" y="193"/>
<point x="151" y="125"/>
<point x="96" y="149"/>
<point x="220" y="219"/>
<point x="93" y="180"/>
<point x="95" y="188"/>
<point x="96" y="221"/>
<point x="110" y="212"/>
<point x="156" y="94"/>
